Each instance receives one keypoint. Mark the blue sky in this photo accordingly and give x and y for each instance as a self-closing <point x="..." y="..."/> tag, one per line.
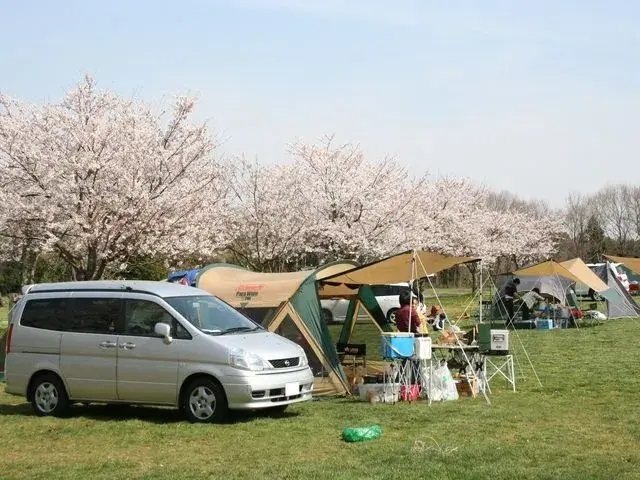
<point x="539" y="98"/>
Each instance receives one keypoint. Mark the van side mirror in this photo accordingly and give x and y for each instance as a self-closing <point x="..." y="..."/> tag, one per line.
<point x="163" y="330"/>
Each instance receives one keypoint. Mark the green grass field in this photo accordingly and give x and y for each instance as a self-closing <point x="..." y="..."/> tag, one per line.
<point x="582" y="424"/>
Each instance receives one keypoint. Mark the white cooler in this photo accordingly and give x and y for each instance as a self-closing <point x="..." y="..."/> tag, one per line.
<point x="422" y="348"/>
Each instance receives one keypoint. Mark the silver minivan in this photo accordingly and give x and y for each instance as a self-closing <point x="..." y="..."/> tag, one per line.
<point x="157" y="343"/>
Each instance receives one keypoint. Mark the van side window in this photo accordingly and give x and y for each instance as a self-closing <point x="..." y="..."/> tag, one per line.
<point x="94" y="315"/>
<point x="141" y="317"/>
<point x="48" y="314"/>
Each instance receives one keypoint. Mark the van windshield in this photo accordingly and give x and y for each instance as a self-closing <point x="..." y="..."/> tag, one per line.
<point x="211" y="315"/>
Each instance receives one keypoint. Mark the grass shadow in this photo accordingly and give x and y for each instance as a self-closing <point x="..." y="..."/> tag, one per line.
<point x="156" y="415"/>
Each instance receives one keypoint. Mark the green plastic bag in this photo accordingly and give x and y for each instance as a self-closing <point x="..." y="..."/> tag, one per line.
<point x="358" y="434"/>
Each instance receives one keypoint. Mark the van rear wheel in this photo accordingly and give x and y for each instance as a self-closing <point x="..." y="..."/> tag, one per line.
<point x="48" y="396"/>
<point x="204" y="401"/>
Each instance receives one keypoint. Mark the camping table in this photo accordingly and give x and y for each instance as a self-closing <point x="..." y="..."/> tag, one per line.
<point x="486" y="367"/>
<point x="462" y="356"/>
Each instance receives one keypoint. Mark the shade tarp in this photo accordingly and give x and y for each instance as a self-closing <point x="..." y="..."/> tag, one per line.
<point x="586" y="276"/>
<point x="553" y="285"/>
<point x="242" y="288"/>
<point x="335" y="290"/>
<point x="631" y="263"/>
<point x="397" y="268"/>
<point x="548" y="268"/>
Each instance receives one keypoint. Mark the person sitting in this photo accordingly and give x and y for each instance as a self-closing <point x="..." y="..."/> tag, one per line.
<point x="421" y="310"/>
<point x="407" y="319"/>
<point x="439" y="321"/>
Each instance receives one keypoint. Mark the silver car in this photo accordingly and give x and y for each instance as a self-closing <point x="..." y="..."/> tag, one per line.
<point x="156" y="343"/>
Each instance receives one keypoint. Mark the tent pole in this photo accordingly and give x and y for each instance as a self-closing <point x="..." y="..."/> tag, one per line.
<point x="455" y="335"/>
<point x="481" y="286"/>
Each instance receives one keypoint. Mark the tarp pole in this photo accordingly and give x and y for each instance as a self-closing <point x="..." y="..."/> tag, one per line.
<point x="481" y="287"/>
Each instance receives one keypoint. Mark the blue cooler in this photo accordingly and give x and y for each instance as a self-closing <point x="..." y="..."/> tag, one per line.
<point x="544" y="324"/>
<point x="397" y="344"/>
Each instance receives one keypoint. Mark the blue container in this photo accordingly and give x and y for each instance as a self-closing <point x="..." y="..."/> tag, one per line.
<point x="544" y="324"/>
<point x="397" y="345"/>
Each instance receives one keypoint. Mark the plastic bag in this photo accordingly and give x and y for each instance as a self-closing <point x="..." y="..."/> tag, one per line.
<point x="358" y="434"/>
<point x="446" y="383"/>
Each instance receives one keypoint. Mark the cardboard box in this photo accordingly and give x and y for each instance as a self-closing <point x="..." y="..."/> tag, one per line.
<point x="467" y="388"/>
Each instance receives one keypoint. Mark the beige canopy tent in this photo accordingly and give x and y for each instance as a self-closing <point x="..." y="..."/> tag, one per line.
<point x="630" y="262"/>
<point x="549" y="277"/>
<point x="288" y="304"/>
<point x="584" y="274"/>
<point x="398" y="268"/>
<point x="548" y="268"/>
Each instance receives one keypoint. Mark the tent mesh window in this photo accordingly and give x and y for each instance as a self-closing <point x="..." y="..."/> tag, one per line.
<point x="290" y="330"/>
<point x="262" y="316"/>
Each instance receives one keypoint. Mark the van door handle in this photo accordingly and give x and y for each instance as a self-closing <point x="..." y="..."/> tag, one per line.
<point x="107" y="344"/>
<point x="127" y="345"/>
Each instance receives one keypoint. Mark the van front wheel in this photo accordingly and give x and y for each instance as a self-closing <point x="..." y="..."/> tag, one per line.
<point x="48" y="396"/>
<point x="204" y="401"/>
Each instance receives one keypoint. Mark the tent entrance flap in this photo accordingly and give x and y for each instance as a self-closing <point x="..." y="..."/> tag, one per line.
<point x="328" y="377"/>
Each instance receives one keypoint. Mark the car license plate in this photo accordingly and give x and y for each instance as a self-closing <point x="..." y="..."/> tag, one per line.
<point x="291" y="389"/>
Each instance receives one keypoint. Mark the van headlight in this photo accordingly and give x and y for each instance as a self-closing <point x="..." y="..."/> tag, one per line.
<point x="303" y="356"/>
<point x="240" y="358"/>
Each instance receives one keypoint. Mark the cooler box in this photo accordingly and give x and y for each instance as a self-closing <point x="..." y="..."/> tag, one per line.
<point x="492" y="340"/>
<point x="422" y="348"/>
<point x="524" y="325"/>
<point x="397" y="344"/>
<point x="544" y="324"/>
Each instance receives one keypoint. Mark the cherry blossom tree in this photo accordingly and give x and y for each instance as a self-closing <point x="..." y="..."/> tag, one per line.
<point x="98" y="178"/>
<point x="328" y="202"/>
<point x="360" y="209"/>
<point x="331" y="202"/>
<point x="268" y="220"/>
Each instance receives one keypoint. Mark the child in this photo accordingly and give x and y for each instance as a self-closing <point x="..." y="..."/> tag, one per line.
<point x="420" y="310"/>
<point x="439" y="322"/>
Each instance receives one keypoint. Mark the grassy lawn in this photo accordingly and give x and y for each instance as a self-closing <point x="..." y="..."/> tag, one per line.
<point x="582" y="424"/>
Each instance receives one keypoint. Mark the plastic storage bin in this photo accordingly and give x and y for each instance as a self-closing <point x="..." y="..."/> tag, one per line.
<point x="397" y="344"/>
<point x="379" y="392"/>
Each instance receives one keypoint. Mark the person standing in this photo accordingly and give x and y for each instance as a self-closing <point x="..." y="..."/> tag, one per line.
<point x="509" y="293"/>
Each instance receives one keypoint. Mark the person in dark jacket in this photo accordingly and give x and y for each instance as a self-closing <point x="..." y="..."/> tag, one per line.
<point x="509" y="293"/>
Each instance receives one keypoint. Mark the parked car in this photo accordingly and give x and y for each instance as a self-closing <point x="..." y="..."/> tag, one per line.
<point x="335" y="310"/>
<point x="584" y="291"/>
<point x="158" y="343"/>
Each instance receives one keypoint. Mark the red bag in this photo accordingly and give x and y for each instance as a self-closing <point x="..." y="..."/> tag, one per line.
<point x="409" y="394"/>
